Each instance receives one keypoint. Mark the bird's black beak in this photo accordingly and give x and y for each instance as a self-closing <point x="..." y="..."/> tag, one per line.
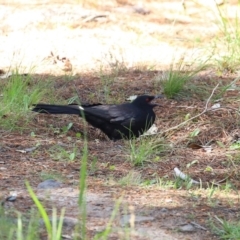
<point x="156" y="97"/>
<point x="159" y="96"/>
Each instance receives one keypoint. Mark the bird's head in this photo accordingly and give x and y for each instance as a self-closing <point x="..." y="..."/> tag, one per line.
<point x="146" y="100"/>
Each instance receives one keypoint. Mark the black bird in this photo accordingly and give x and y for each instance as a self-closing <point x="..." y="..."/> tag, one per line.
<point x="125" y="120"/>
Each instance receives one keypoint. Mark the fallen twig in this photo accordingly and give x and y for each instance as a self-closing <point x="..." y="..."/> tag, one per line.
<point x="91" y="18"/>
<point x="198" y="226"/>
<point x="198" y="115"/>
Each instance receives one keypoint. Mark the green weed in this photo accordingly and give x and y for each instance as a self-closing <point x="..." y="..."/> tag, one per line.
<point x="224" y="229"/>
<point x="145" y="150"/>
<point x="229" y="40"/>
<point x="59" y="153"/>
<point x="45" y="175"/>
<point x="174" y="80"/>
<point x="83" y="187"/>
<point x="18" y="94"/>
<point x="104" y="235"/>
<point x="54" y="227"/>
<point x="132" y="178"/>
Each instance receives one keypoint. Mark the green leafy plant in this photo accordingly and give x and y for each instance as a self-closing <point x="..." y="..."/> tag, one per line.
<point x="59" y="153"/>
<point x="235" y="145"/>
<point x="65" y="129"/>
<point x="194" y="133"/>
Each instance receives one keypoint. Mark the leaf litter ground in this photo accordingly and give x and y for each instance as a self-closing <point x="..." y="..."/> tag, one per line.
<point x="108" y="163"/>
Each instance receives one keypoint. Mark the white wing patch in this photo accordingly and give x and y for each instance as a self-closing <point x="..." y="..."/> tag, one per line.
<point x="81" y="108"/>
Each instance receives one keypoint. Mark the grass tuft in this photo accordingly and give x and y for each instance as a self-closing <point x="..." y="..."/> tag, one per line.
<point x="17" y="95"/>
<point x="174" y="80"/>
<point x="145" y="150"/>
<point x="225" y="229"/>
<point x="229" y="40"/>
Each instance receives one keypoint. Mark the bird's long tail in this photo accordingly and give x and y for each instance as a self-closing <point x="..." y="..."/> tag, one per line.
<point x="57" y="109"/>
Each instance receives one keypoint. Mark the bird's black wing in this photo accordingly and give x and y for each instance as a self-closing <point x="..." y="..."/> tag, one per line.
<point x="118" y="114"/>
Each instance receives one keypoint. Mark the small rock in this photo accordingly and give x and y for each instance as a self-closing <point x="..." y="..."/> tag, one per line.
<point x="11" y="198"/>
<point x="164" y="210"/>
<point x="187" y="228"/>
<point x="50" y="183"/>
<point x="70" y="222"/>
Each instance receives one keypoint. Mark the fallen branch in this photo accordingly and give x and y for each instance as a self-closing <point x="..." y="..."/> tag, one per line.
<point x="91" y="18"/>
<point x="198" y="115"/>
<point x="196" y="225"/>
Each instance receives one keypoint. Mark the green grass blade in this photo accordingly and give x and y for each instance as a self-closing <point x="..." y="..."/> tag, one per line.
<point x="41" y="210"/>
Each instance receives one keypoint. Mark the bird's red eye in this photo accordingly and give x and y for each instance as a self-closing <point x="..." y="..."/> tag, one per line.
<point x="147" y="100"/>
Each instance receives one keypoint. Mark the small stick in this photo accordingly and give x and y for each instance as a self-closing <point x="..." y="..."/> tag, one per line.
<point x="198" y="115"/>
<point x="198" y="226"/>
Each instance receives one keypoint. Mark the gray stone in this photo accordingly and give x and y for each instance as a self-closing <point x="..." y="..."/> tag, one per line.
<point x="187" y="228"/>
<point x="50" y="183"/>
